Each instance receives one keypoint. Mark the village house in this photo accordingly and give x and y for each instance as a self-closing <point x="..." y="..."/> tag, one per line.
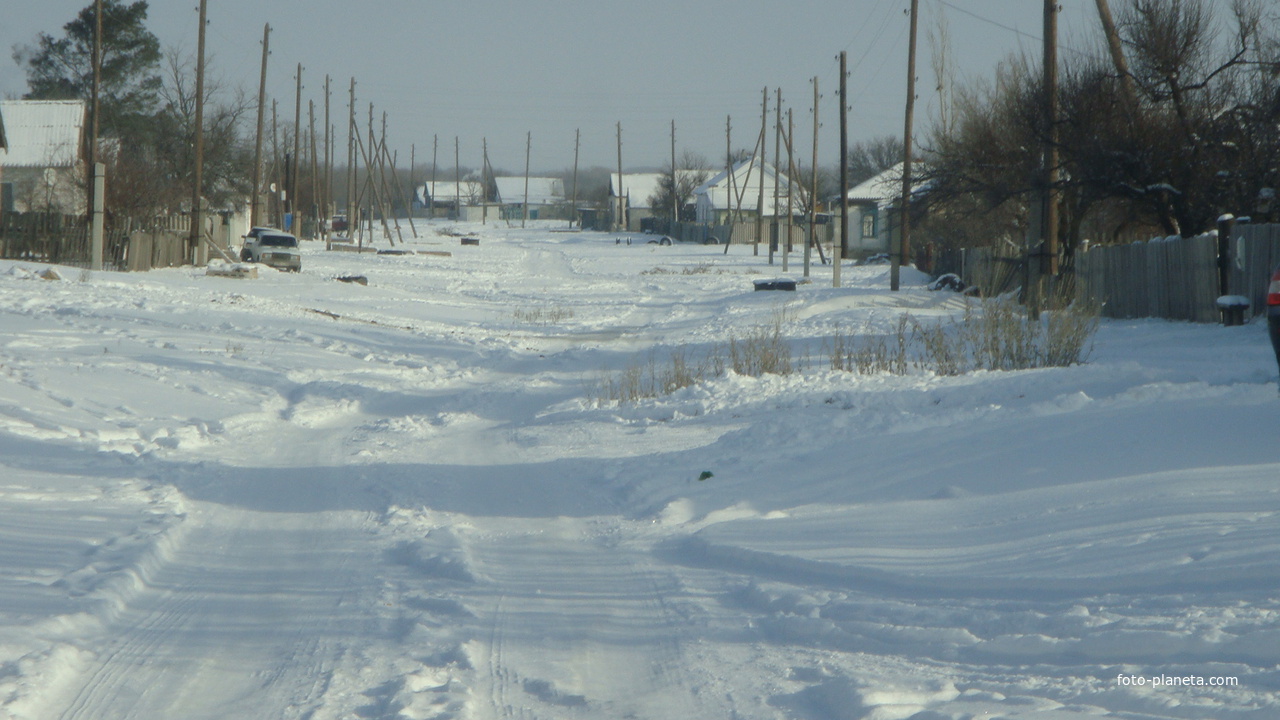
<point x="545" y="196"/>
<point x="42" y="161"/>
<point x="872" y="204"/>
<point x="629" y="194"/>
<point x="726" y="194"/>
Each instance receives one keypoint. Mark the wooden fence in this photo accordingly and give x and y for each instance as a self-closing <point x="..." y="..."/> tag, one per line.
<point x="128" y="244"/>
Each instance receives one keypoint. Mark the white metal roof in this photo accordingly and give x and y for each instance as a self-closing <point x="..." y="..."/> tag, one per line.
<point x="542" y="190"/>
<point x="42" y="133"/>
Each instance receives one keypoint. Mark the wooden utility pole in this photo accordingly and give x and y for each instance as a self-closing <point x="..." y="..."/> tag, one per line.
<point x="297" y="150"/>
<point x="275" y="208"/>
<point x="94" y="105"/>
<point x="255" y="207"/>
<point x="621" y="221"/>
<point x="197" y="215"/>
<point x="315" y="169"/>
<point x="327" y="193"/>
<point x="435" y="156"/>
<point x="484" y="180"/>
<point x="1049" y="258"/>
<point x="902" y="254"/>
<point x="351" y="158"/>
<point x="764" y="133"/>
<point x="775" y="232"/>
<point x="813" y="192"/>
<point x="1117" y="53"/>
<point x="785" y="245"/>
<point x="457" y="178"/>
<point x="573" y="209"/>
<point x="528" y="148"/>
<point x="675" y="185"/>
<point x="728" y="179"/>
<point x="837" y="252"/>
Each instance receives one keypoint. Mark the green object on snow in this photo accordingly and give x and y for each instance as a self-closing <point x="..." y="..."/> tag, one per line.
<point x="705" y="474"/>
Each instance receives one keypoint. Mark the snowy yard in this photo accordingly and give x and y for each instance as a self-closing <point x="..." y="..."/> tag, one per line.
<point x="293" y="497"/>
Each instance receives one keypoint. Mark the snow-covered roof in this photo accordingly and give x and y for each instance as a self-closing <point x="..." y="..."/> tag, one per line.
<point x="542" y="190"/>
<point x="881" y="188"/>
<point x="447" y="191"/>
<point x="42" y="133"/>
<point x="641" y="186"/>
<point x="723" y="193"/>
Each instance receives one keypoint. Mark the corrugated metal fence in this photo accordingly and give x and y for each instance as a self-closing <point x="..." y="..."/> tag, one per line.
<point x="1174" y="278"/>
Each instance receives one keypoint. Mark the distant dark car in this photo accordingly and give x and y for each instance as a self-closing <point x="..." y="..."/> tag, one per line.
<point x="338" y="224"/>
<point x="1273" y="312"/>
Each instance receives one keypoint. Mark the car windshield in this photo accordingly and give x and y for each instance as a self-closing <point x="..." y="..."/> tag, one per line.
<point x="279" y="241"/>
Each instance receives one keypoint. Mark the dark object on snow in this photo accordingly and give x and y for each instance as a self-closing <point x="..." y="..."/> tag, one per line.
<point x="778" y="284"/>
<point x="664" y="240"/>
<point x="950" y="281"/>
<point x="1233" y="309"/>
<point x="396" y="252"/>
<point x="706" y="475"/>
<point x="357" y="279"/>
<point x="877" y="259"/>
<point x="470" y="241"/>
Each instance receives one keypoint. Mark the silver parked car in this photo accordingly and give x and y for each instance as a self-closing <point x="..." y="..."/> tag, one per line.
<point x="272" y="247"/>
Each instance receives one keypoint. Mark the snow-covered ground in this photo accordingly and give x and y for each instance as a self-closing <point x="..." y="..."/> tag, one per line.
<point x="293" y="497"/>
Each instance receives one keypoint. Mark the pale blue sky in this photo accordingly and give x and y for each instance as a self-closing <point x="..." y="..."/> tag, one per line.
<point x="497" y="70"/>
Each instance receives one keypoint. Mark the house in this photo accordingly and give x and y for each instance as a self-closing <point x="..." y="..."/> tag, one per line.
<point x="629" y="193"/>
<point x="42" y="159"/>
<point x="4" y="150"/>
<point x="728" y="192"/>
<point x="544" y="194"/>
<point x="452" y="198"/>
<point x="872" y="204"/>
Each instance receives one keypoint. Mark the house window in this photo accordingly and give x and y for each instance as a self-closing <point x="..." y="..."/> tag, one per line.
<point x="868" y="224"/>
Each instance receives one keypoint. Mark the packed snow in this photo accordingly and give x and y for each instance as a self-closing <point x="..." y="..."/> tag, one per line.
<point x="294" y="497"/>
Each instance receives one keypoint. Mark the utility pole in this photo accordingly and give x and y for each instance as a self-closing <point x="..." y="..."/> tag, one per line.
<point x="197" y="215"/>
<point x="528" y="148"/>
<point x="275" y="209"/>
<point x="484" y="180"/>
<point x="675" y="185"/>
<point x="351" y="158"/>
<point x="837" y="252"/>
<point x="327" y="193"/>
<point x="94" y="105"/>
<point x="775" y="232"/>
<point x="903" y="253"/>
<point x="622" y="213"/>
<point x="435" y="156"/>
<point x="573" y="209"/>
<point x="764" y="123"/>
<point x="785" y="245"/>
<point x="1117" y="52"/>
<point x="457" y="178"/>
<point x="255" y="207"/>
<point x="813" y="193"/>
<point x="1049" y="264"/>
<point x="297" y="149"/>
<point x="315" y="185"/>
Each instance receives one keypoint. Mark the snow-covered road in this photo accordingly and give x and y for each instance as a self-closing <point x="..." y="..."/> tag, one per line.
<point x="293" y="497"/>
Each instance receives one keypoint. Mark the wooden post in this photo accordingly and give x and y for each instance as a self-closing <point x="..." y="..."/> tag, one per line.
<point x="785" y="245"/>
<point x="255" y="207"/>
<point x="93" y="102"/>
<point x="837" y="252"/>
<point x="903" y="251"/>
<point x="351" y="158"/>
<point x="457" y="178"/>
<point x="435" y="156"/>
<point x="327" y="192"/>
<point x="294" y="165"/>
<point x="484" y="180"/>
<point x="675" y="184"/>
<point x="573" y="209"/>
<point x="198" y="180"/>
<point x="621" y="220"/>
<point x="528" y="148"/>
<point x="764" y="123"/>
<point x="775" y="232"/>
<point x="315" y="200"/>
<point x="813" y="193"/>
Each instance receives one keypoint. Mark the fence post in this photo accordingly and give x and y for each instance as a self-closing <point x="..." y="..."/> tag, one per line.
<point x="1225" y="225"/>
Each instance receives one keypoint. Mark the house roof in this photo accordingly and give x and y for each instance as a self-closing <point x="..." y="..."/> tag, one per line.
<point x="641" y="186"/>
<point x="721" y="193"/>
<point x="881" y="189"/>
<point x="447" y="191"/>
<point x="3" y="144"/>
<point x="42" y="133"/>
<point x="542" y="190"/>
